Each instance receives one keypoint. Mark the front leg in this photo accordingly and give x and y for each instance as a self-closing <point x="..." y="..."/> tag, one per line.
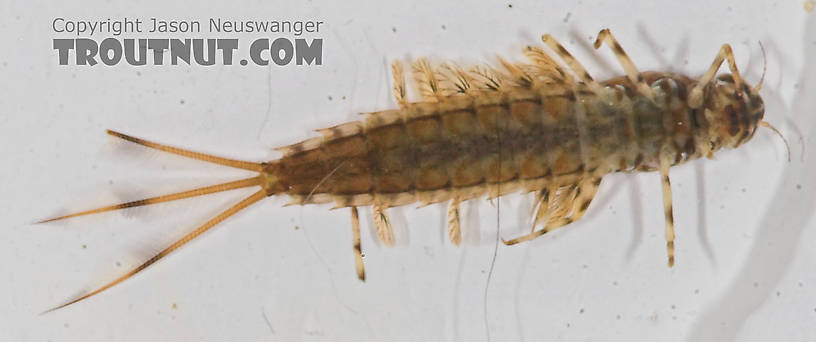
<point x="696" y="94"/>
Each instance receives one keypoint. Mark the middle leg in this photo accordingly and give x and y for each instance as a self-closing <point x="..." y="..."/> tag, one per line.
<point x="632" y="73"/>
<point x="665" y="164"/>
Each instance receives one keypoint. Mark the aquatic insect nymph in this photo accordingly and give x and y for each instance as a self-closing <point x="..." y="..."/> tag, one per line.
<point x="482" y="131"/>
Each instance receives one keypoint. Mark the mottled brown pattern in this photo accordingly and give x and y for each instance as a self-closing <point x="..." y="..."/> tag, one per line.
<point x="536" y="137"/>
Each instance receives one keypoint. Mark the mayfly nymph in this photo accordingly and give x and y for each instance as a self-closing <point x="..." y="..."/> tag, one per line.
<point x="538" y="127"/>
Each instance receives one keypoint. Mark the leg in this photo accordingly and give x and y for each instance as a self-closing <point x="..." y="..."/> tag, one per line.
<point x="358" y="252"/>
<point x="383" y="225"/>
<point x="631" y="71"/>
<point x="454" y="228"/>
<point x="696" y="94"/>
<point x="665" y="163"/>
<point x="576" y="67"/>
<point x="399" y="83"/>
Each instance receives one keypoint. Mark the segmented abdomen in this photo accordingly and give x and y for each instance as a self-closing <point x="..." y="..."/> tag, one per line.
<point x="495" y="143"/>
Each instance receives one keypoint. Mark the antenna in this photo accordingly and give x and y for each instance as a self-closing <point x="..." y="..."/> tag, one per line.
<point x="764" y="68"/>
<point x="768" y="125"/>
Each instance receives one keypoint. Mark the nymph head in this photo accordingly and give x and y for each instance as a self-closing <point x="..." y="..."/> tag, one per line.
<point x="731" y="108"/>
<point x="733" y="111"/>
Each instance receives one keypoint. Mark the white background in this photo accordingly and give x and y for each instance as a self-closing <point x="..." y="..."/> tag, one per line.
<point x="745" y="256"/>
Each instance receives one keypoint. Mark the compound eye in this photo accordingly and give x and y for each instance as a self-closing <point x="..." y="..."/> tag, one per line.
<point x="726" y="79"/>
<point x="754" y="100"/>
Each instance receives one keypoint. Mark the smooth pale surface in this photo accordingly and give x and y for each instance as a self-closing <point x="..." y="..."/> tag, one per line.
<point x="744" y="254"/>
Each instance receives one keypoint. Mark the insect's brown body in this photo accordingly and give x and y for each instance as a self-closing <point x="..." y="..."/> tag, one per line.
<point x="460" y="144"/>
<point x="522" y="138"/>
<point x="531" y="127"/>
